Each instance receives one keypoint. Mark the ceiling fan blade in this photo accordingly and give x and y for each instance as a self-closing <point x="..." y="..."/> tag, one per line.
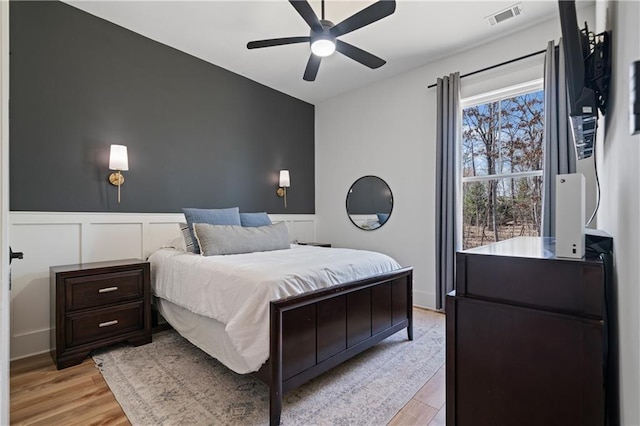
<point x="312" y="68"/>
<point x="359" y="55"/>
<point x="373" y="13"/>
<point x="304" y="9"/>
<point x="276" y="42"/>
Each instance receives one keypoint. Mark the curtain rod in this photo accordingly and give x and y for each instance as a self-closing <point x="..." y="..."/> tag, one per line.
<point x="498" y="65"/>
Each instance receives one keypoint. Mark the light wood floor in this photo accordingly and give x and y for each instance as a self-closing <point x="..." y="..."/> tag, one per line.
<point x="427" y="406"/>
<point x="42" y="395"/>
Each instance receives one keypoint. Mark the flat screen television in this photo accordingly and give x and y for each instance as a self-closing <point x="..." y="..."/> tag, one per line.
<point x="588" y="73"/>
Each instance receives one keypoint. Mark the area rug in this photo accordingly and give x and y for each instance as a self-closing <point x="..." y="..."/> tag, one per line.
<point x="171" y="382"/>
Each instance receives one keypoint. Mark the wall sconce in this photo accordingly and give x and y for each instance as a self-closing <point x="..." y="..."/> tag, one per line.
<point x="118" y="160"/>
<point x="285" y="182"/>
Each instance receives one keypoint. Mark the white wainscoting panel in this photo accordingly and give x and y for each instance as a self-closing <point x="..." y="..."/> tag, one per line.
<point x="302" y="230"/>
<point x="44" y="245"/>
<point x="160" y="234"/>
<point x="51" y="238"/>
<point x="109" y="241"/>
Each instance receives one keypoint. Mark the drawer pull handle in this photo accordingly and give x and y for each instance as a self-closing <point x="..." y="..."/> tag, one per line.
<point x="108" y="323"/>
<point x="107" y="289"/>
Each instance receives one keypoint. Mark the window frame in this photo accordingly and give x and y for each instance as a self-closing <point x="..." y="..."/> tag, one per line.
<point x="471" y="101"/>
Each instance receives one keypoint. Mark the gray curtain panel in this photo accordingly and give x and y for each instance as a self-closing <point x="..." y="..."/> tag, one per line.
<point x="559" y="153"/>
<point x="447" y="138"/>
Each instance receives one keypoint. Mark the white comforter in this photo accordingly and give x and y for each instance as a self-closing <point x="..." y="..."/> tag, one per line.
<point x="236" y="289"/>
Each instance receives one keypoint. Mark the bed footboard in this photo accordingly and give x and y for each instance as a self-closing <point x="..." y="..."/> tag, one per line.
<point x="313" y="332"/>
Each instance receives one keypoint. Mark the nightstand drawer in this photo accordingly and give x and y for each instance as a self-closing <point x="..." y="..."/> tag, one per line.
<point x="102" y="323"/>
<point x="103" y="289"/>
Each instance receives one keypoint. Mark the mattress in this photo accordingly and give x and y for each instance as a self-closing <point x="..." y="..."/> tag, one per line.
<point x="235" y="290"/>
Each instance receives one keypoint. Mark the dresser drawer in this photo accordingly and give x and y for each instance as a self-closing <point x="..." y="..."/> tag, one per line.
<point x="557" y="285"/>
<point x="99" y="324"/>
<point x="103" y="289"/>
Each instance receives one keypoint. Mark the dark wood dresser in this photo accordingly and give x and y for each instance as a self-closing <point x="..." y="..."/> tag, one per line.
<point x="527" y="337"/>
<point x="98" y="304"/>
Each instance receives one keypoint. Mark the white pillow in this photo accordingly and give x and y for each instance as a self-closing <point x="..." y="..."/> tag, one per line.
<point x="231" y="239"/>
<point x="176" y="243"/>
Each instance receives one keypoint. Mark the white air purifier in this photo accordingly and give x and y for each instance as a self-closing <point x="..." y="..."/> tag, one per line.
<point x="570" y="215"/>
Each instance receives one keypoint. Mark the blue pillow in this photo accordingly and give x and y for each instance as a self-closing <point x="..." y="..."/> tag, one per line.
<point x="382" y="217"/>
<point x="229" y="216"/>
<point x="255" y="219"/>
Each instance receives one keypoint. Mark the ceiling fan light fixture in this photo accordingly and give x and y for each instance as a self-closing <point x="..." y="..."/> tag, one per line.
<point x="323" y="47"/>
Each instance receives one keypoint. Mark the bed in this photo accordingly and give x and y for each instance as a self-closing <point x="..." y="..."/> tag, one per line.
<point x="285" y="315"/>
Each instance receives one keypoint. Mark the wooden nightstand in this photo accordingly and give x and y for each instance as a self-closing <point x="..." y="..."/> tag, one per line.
<point x="98" y="304"/>
<point x="315" y="244"/>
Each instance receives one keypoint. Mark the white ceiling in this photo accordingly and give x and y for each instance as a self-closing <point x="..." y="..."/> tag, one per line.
<point x="417" y="33"/>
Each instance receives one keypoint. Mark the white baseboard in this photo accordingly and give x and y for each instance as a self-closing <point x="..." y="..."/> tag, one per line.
<point x="424" y="299"/>
<point x="24" y="345"/>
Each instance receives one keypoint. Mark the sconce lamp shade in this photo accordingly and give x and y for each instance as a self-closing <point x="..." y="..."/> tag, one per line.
<point x="118" y="159"/>
<point x="284" y="179"/>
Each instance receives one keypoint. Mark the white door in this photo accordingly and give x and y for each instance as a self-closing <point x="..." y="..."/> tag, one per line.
<point x="4" y="212"/>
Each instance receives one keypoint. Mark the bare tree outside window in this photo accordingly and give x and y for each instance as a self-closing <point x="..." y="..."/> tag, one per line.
<point x="502" y="169"/>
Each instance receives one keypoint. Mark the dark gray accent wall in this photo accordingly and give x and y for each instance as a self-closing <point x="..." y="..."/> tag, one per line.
<point x="197" y="135"/>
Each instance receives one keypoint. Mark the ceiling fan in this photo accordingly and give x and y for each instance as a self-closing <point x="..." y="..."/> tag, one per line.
<point x="324" y="35"/>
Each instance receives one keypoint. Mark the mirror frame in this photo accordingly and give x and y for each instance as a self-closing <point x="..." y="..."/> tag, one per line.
<point x="347" y="202"/>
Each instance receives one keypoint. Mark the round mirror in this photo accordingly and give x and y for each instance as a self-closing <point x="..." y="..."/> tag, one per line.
<point x="369" y="203"/>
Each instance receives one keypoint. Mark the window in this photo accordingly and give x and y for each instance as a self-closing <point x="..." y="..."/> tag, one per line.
<point x="501" y="165"/>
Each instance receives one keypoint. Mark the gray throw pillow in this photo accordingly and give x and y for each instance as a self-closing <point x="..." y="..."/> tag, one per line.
<point x="228" y="239"/>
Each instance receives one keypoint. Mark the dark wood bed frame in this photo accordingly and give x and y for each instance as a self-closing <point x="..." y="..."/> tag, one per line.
<point x="315" y="331"/>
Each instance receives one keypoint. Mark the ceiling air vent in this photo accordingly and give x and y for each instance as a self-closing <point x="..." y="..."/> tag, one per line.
<point x="503" y="15"/>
